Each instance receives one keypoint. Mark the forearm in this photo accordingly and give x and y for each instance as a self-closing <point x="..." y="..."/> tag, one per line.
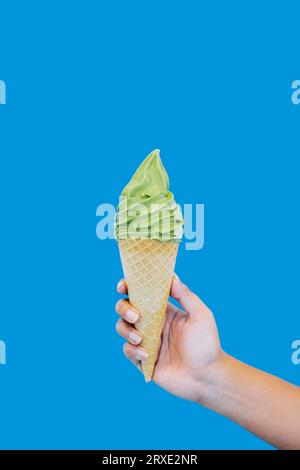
<point x="265" y="405"/>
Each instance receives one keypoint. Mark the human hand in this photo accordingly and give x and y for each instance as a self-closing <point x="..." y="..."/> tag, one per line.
<point x="190" y="352"/>
<point x="192" y="365"/>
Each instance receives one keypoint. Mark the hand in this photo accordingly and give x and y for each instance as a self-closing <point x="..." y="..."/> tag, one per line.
<point x="190" y="351"/>
<point x="192" y="365"/>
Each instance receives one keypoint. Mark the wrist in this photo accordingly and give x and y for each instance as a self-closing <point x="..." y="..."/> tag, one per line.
<point x="213" y="378"/>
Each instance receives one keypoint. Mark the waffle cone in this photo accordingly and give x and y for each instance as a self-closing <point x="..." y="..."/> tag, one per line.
<point x="148" y="267"/>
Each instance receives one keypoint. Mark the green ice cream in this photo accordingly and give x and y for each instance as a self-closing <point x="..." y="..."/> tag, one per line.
<point x="147" y="208"/>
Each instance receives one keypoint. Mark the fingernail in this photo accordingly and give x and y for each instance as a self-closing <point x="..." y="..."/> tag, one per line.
<point x="141" y="355"/>
<point x="119" y="286"/>
<point x="132" y="316"/>
<point x="134" y="337"/>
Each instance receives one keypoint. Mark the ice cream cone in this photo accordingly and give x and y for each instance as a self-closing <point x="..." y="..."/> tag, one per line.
<point x="148" y="229"/>
<point x="148" y="267"/>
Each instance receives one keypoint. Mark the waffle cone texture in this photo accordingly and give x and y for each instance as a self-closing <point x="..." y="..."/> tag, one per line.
<point x="148" y="267"/>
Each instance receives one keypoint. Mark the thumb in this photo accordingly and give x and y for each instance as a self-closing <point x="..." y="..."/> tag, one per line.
<point x="190" y="302"/>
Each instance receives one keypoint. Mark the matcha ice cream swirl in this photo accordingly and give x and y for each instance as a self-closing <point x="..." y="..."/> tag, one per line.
<point x="147" y="209"/>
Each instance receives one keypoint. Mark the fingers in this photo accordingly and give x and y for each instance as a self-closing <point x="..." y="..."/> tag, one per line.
<point x="128" y="332"/>
<point x="126" y="311"/>
<point x="128" y="314"/>
<point x="134" y="353"/>
<point x="171" y="309"/>
<point x="123" y="307"/>
<point x="122" y="287"/>
<point x="187" y="299"/>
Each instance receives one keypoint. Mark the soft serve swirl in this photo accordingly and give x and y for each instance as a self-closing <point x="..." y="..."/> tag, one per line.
<point x="147" y="209"/>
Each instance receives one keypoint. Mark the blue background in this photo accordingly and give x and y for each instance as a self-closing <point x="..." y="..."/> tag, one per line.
<point x="92" y="88"/>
